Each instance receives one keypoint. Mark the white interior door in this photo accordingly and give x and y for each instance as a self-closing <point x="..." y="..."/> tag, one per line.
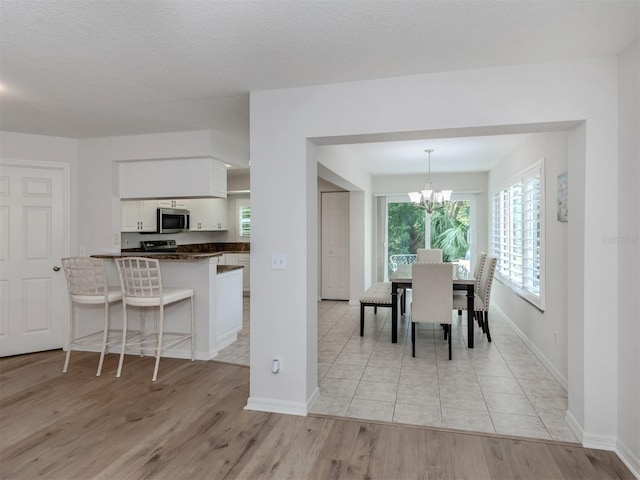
<point x="335" y="245"/>
<point x="33" y="239"/>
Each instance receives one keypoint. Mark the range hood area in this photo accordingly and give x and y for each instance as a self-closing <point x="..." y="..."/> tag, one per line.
<point x="200" y="177"/>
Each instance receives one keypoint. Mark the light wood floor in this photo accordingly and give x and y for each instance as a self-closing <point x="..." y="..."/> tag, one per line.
<point x="191" y="424"/>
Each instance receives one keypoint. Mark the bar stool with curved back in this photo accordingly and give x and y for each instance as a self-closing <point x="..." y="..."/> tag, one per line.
<point x="429" y="255"/>
<point x="482" y="298"/>
<point x="432" y="300"/>
<point x="141" y="282"/>
<point x="87" y="284"/>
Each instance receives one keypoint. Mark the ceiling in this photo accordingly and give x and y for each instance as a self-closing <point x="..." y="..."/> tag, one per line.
<point x="98" y="68"/>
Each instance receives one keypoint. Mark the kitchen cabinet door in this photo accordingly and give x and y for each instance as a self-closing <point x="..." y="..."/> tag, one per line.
<point x="219" y="213"/>
<point x="243" y="259"/>
<point x="138" y="216"/>
<point x="208" y="214"/>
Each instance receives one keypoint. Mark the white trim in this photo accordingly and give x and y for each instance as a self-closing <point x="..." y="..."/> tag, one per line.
<point x="540" y="356"/>
<point x="473" y="220"/>
<point x="277" y="406"/>
<point x="599" y="442"/>
<point x="630" y="459"/>
<point x="228" y="339"/>
<point x="313" y="398"/>
<point x="574" y="425"/>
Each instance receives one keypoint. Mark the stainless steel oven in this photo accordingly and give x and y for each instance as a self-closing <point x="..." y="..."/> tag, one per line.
<point x="173" y="220"/>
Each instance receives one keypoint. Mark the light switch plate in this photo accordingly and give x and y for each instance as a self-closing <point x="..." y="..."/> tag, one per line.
<point x="278" y="261"/>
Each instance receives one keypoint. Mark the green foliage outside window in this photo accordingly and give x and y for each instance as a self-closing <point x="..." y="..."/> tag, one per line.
<point x="406" y="228"/>
<point x="449" y="229"/>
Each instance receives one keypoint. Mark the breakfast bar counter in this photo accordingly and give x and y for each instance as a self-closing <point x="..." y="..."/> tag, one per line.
<point x="217" y="297"/>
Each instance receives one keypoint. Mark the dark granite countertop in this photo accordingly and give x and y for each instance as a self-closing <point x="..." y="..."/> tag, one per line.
<point x="187" y="253"/>
<point x="160" y="255"/>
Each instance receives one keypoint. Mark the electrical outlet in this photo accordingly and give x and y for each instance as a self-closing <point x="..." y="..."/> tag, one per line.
<point x="278" y="261"/>
<point x="116" y="238"/>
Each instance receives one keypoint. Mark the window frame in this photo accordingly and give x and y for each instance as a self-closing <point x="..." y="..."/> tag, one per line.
<point x="509" y="243"/>
<point x="242" y="204"/>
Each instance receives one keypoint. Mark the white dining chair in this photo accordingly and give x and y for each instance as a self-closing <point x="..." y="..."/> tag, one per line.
<point x="432" y="302"/>
<point x="87" y="285"/>
<point x="429" y="255"/>
<point x="482" y="298"/>
<point x="141" y="282"/>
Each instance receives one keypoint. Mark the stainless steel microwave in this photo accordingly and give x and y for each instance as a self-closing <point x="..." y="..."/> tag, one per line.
<point x="173" y="220"/>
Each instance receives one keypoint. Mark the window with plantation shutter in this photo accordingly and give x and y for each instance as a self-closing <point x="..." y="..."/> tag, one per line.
<point x="244" y="221"/>
<point x="517" y="234"/>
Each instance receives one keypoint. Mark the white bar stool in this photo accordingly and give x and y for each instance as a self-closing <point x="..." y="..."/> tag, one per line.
<point x="141" y="283"/>
<point x="87" y="284"/>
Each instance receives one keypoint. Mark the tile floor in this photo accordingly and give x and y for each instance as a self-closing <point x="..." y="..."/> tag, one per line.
<point x="498" y="387"/>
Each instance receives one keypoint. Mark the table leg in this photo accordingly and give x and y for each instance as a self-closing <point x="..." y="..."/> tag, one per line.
<point x="394" y="312"/>
<point x="470" y="314"/>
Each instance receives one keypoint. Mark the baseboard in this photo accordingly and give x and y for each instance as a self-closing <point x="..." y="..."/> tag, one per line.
<point x="228" y="339"/>
<point x="277" y="406"/>
<point x="630" y="459"/>
<point x="552" y="369"/>
<point x="575" y="427"/>
<point x="313" y="398"/>
<point x="599" y="442"/>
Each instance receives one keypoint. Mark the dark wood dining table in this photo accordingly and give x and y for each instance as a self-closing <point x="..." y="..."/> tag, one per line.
<point x="462" y="280"/>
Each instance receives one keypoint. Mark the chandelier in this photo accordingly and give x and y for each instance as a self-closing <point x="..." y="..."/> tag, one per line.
<point x="430" y="198"/>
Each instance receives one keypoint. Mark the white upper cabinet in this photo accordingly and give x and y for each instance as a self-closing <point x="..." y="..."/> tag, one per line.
<point x="173" y="178"/>
<point x="139" y="216"/>
<point x="207" y="214"/>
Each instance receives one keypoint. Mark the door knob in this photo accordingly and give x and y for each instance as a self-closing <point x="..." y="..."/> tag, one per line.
<point x="56" y="268"/>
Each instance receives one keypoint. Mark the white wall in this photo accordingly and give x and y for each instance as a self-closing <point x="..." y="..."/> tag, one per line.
<point x="540" y="327"/>
<point x="283" y="120"/>
<point x="628" y="242"/>
<point x="41" y="148"/>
